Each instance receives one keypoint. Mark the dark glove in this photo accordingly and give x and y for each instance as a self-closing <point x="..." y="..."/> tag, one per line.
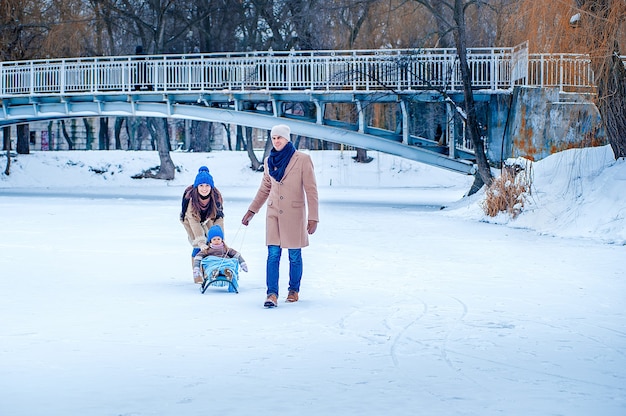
<point x="247" y="217"/>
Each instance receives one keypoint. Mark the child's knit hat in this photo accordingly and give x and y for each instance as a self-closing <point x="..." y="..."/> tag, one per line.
<point x="215" y="231"/>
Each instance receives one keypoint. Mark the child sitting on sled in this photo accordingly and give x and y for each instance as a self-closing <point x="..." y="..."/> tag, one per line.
<point x="218" y="260"/>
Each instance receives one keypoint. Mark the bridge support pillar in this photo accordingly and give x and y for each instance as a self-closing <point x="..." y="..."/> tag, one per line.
<point x="319" y="112"/>
<point x="405" y="122"/>
<point x="450" y="130"/>
<point x="359" y="109"/>
<point x="277" y="108"/>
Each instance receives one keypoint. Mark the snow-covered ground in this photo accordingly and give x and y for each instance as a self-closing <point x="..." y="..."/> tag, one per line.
<point x="406" y="308"/>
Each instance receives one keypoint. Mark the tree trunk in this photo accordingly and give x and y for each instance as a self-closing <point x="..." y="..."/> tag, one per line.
<point x="444" y="39"/>
<point x="50" y="139"/>
<point x="612" y="102"/>
<point x="361" y="156"/>
<point x="255" y="163"/>
<point x="476" y="185"/>
<point x="133" y="125"/>
<point x="6" y="134"/>
<point x="472" y="126"/>
<point x="117" y="130"/>
<point x="226" y="127"/>
<point x="23" y="139"/>
<point x="68" y="139"/>
<point x="159" y="128"/>
<point x="602" y="22"/>
<point x="88" y="134"/>
<point x="241" y="142"/>
<point x="268" y="145"/>
<point x="200" y="136"/>
<point x="103" y="134"/>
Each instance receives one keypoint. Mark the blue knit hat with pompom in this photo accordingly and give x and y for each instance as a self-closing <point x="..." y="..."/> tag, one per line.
<point x="215" y="231"/>
<point x="203" y="176"/>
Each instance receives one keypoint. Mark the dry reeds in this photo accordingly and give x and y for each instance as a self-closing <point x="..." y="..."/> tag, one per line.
<point x="508" y="192"/>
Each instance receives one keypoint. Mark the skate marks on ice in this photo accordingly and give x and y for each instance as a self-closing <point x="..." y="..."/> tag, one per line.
<point x="437" y="340"/>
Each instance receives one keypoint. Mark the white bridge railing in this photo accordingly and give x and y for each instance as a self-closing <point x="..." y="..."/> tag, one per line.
<point x="395" y="70"/>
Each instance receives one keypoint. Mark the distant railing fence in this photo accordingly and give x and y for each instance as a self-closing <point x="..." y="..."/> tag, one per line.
<point x="569" y="72"/>
<point x="318" y="71"/>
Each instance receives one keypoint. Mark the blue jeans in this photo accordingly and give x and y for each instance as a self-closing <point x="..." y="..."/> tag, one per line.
<point x="273" y="267"/>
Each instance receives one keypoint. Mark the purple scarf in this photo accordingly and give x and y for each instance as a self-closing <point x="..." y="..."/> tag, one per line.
<point x="278" y="161"/>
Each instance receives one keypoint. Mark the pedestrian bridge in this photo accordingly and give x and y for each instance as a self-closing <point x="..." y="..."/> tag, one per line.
<point x="258" y="89"/>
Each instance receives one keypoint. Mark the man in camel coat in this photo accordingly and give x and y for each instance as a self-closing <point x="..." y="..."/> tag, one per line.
<point x="290" y="189"/>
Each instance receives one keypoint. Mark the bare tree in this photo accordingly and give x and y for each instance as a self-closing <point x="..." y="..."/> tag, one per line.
<point x="352" y="16"/>
<point x="21" y="30"/>
<point x="216" y="25"/>
<point x="450" y="14"/>
<point x="160" y="26"/>
<point x="602" y="21"/>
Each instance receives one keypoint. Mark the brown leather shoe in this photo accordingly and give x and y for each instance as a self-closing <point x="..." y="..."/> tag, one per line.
<point x="292" y="296"/>
<point x="271" y="301"/>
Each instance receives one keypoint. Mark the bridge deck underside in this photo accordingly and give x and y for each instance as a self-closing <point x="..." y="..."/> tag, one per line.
<point x="252" y="109"/>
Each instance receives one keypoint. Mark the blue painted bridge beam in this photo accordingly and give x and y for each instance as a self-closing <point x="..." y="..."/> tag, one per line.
<point x="17" y="111"/>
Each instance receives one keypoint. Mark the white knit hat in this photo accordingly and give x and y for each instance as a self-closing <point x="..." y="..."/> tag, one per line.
<point x="281" y="130"/>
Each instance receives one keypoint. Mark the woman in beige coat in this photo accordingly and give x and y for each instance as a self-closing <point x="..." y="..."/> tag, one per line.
<point x="290" y="189"/>
<point x="202" y="208"/>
